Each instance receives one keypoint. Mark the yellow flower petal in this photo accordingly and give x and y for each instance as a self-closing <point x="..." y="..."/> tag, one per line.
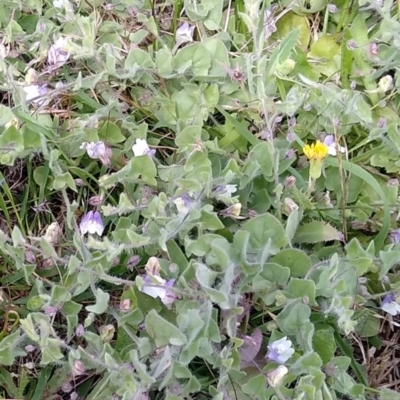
<point x="317" y="151"/>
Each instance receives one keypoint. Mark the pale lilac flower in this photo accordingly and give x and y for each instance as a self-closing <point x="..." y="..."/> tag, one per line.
<point x="395" y="236"/>
<point x="225" y="190"/>
<point x="382" y="122"/>
<point x="185" y="33"/>
<point x="280" y="351"/>
<point x="50" y="311"/>
<point x="97" y="150"/>
<point x="80" y="330"/>
<point x="29" y="348"/>
<point x="289" y="153"/>
<point x="92" y="223"/>
<point x="332" y="8"/>
<point x="35" y="94"/>
<point x="183" y="204"/>
<point x="155" y="286"/>
<point x="58" y="53"/>
<point x="330" y="142"/>
<point x="390" y="305"/>
<point x="78" y="368"/>
<point x="351" y="44"/>
<point x="141" y="148"/>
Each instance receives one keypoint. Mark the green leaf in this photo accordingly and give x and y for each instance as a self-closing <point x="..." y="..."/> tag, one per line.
<point x="299" y="288"/>
<point x="266" y="228"/>
<point x="324" y="344"/>
<point x="316" y="231"/>
<point x="111" y="133"/>
<point x="282" y="52"/>
<point x="101" y="305"/>
<point x="290" y="21"/>
<point x="370" y="180"/>
<point x="296" y="260"/>
<point x="292" y="317"/>
<point x="368" y="325"/>
<point x="162" y="331"/>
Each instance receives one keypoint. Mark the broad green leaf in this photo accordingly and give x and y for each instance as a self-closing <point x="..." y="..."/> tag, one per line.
<point x="296" y="260"/>
<point x="101" y="305"/>
<point x="316" y="231"/>
<point x="266" y="228"/>
<point x="324" y="344"/>
<point x="162" y="331"/>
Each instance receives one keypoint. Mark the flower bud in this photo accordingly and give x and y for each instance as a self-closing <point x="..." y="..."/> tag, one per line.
<point x="80" y="182"/>
<point x="153" y="266"/>
<point x="125" y="305"/>
<point x="386" y="83"/>
<point x="290" y="181"/>
<point x="276" y="376"/>
<point x="107" y="333"/>
<point x="132" y="262"/>
<point x="80" y="330"/>
<point x="53" y="233"/>
<point x="78" y="368"/>
<point x="95" y="201"/>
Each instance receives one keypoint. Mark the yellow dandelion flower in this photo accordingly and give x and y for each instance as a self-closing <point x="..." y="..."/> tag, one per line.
<point x="317" y="151"/>
<point x="316" y="154"/>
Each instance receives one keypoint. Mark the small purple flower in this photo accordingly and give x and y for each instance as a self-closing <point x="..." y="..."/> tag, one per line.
<point x="91" y="223"/>
<point x="290" y="137"/>
<point x="390" y="305"/>
<point x="395" y="236"/>
<point x="351" y="44"/>
<point x="80" y="330"/>
<point x="381" y="122"/>
<point x="292" y="121"/>
<point x="50" y="311"/>
<point x="280" y="351"/>
<point x="332" y="8"/>
<point x="289" y="153"/>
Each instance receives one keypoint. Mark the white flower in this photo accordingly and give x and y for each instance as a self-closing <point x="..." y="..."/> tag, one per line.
<point x="97" y="150"/>
<point x="390" y="305"/>
<point x="58" y="53"/>
<point x="141" y="148"/>
<point x="275" y="376"/>
<point x="280" y="351"/>
<point x="155" y="286"/>
<point x="330" y="142"/>
<point x="35" y="94"/>
<point x="58" y="3"/>
<point x="183" y="204"/>
<point x="185" y="33"/>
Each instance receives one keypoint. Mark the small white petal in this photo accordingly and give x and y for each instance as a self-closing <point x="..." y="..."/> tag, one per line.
<point x="140" y="148"/>
<point x="391" y="308"/>
<point x="181" y="205"/>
